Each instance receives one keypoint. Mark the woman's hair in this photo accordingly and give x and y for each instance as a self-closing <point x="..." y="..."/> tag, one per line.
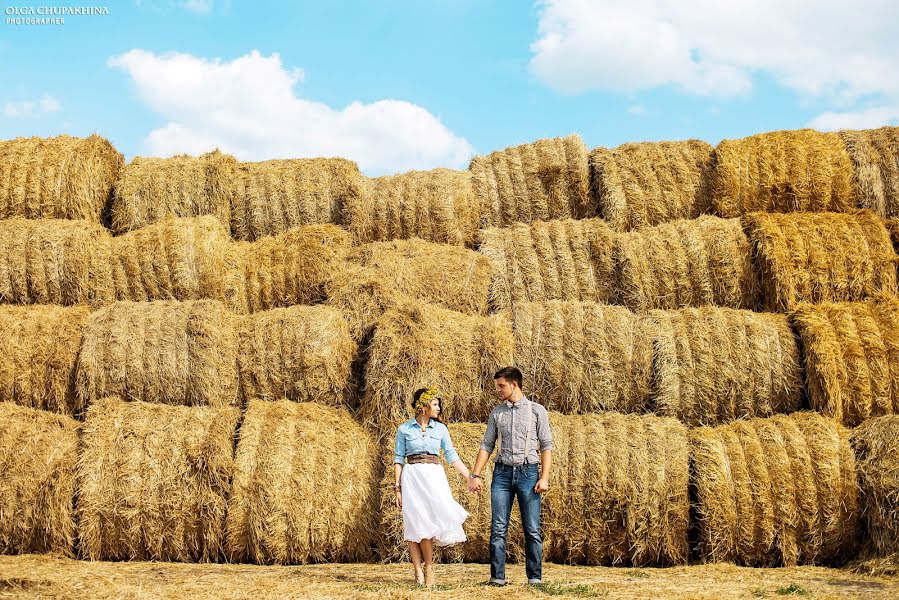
<point x="417" y="395"/>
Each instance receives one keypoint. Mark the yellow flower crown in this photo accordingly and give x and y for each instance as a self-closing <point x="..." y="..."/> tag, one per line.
<point x="426" y="398"/>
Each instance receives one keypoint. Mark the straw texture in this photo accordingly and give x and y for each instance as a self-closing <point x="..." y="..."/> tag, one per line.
<point x="697" y="262"/>
<point x="821" y="257"/>
<point x="153" y="481"/>
<point x="546" y="179"/>
<point x="714" y="365"/>
<point x="875" y="168"/>
<point x="305" y="478"/>
<point x="782" y="171"/>
<point x="646" y="184"/>
<point x="61" y="177"/>
<point x="38" y="451"/>
<point x="775" y="491"/>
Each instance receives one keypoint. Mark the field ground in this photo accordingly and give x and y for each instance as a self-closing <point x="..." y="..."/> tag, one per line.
<point x="34" y="576"/>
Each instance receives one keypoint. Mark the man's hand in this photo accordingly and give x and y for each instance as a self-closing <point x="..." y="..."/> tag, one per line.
<point x="474" y="484"/>
<point x="542" y="486"/>
<point x="399" y="499"/>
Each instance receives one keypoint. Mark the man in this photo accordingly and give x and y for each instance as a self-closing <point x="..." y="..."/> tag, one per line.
<point x="522" y="428"/>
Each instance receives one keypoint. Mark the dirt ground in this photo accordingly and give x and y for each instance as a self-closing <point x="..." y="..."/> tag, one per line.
<point x="34" y="576"/>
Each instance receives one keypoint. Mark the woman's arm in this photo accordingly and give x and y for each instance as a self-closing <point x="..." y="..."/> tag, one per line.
<point x="397" y="473"/>
<point x="460" y="466"/>
<point x="452" y="457"/>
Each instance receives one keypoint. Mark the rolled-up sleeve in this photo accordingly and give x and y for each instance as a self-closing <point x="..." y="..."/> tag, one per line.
<point x="489" y="441"/>
<point x="399" y="448"/>
<point x="544" y="432"/>
<point x="449" y="453"/>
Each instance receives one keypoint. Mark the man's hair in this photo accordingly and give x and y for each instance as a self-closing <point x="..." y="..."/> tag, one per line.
<point x="509" y="374"/>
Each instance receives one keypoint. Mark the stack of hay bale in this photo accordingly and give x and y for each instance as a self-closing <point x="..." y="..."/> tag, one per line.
<point x="206" y="359"/>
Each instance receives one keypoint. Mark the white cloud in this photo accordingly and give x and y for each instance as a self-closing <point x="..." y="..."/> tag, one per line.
<point x="31" y="108"/>
<point x="248" y="107"/>
<point x="637" y="109"/>
<point x="201" y="7"/>
<point x="822" y="48"/>
<point x="861" y="119"/>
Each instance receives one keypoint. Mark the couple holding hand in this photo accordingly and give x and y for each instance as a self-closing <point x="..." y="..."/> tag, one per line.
<point x="431" y="516"/>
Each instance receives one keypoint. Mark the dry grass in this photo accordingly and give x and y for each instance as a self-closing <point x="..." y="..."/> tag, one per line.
<point x="646" y="184"/>
<point x="419" y="345"/>
<point x="552" y="260"/>
<point x="169" y="352"/>
<point x="618" y="491"/>
<point x="821" y="257"/>
<point x="875" y="169"/>
<point x="60" y="177"/>
<point x="38" y="451"/>
<point x="301" y="353"/>
<point x="153" y="481"/>
<point x="36" y="576"/>
<point x="466" y="438"/>
<point x="696" y="262"/>
<point x="156" y="189"/>
<point x="546" y="179"/>
<point x="290" y="268"/>
<point x="174" y="259"/>
<point x="305" y="478"/>
<point x="782" y="171"/>
<point x="54" y="261"/>
<point x="876" y="445"/>
<point x="39" y="348"/>
<point x="437" y="206"/>
<point x="382" y="275"/>
<point x="583" y="357"/>
<point x="714" y="365"/>
<point x="277" y="195"/>
<point x="775" y="491"/>
<point x="851" y="357"/>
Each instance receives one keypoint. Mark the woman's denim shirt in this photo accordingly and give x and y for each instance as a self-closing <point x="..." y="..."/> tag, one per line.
<point x="410" y="440"/>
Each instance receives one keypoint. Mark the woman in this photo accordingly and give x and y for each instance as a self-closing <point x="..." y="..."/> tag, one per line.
<point x="430" y="514"/>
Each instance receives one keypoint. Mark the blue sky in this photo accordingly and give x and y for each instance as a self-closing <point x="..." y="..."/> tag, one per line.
<point x="398" y="85"/>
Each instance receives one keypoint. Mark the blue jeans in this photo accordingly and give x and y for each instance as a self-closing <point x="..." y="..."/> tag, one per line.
<point x="508" y="483"/>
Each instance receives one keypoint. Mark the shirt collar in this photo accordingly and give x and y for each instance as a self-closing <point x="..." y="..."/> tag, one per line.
<point x="511" y="404"/>
<point x="413" y="422"/>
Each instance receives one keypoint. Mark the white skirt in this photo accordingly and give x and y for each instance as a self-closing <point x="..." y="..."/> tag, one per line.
<point x="429" y="509"/>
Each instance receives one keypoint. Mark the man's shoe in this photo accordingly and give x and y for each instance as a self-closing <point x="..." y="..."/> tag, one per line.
<point x="535" y="581"/>
<point x="497" y="583"/>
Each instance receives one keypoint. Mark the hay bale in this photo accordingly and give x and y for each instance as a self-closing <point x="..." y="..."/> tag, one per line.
<point x="437" y="206"/>
<point x="821" y="257"/>
<point x="553" y="260"/>
<point x="466" y="438"/>
<point x="875" y="168"/>
<point x="61" y="177"/>
<point x="301" y="353"/>
<point x="38" y="354"/>
<point x="157" y="189"/>
<point x="153" y="481"/>
<point x="782" y="171"/>
<point x="38" y="451"/>
<point x="305" y="480"/>
<point x="419" y="345"/>
<point x="291" y="268"/>
<point x="168" y="352"/>
<point x="714" y="365"/>
<point x="174" y="259"/>
<point x="381" y="275"/>
<point x="546" y="179"/>
<point x="851" y="353"/>
<point x="646" y="184"/>
<point x="278" y="195"/>
<point x="876" y="446"/>
<point x="696" y="262"/>
<point x="581" y="357"/>
<point x="54" y="261"/>
<point x="618" y="491"/>
<point x="775" y="491"/>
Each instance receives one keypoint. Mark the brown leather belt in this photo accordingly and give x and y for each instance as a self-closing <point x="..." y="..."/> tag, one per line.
<point x="414" y="459"/>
